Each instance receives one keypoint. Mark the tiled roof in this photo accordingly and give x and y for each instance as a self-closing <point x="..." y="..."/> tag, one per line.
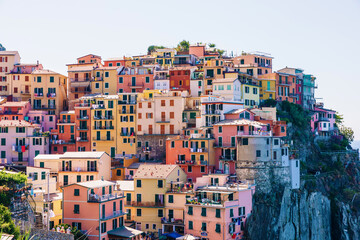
<point x="9" y="52"/>
<point x="96" y="184"/>
<point x="16" y="123"/>
<point x="236" y="111"/>
<point x="154" y="171"/>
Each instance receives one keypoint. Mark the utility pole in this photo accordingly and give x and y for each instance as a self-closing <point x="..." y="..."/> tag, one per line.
<point x="48" y="201"/>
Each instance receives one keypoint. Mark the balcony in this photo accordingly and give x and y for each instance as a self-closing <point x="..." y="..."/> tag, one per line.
<point x="80" y="79"/>
<point x="62" y="142"/>
<point x="139" y="85"/>
<point x="190" y="162"/>
<point x="199" y="150"/>
<point x="44" y="107"/>
<point x="228" y="158"/>
<point x="81" y="90"/>
<point x="114" y="214"/>
<point x="254" y="133"/>
<point x="51" y="95"/>
<point x="126" y="102"/>
<point x="204" y="201"/>
<point x="98" y="106"/>
<point x="82" y="128"/>
<point x="146" y="149"/>
<point x="163" y="120"/>
<point x="20" y="160"/>
<point x="103" y="127"/>
<point x="79" y="169"/>
<point x="217" y="145"/>
<point x="212" y="112"/>
<point x="181" y="62"/>
<point x="80" y="82"/>
<point x="82" y="105"/>
<point x="107" y="117"/>
<point x="82" y="139"/>
<point x="127" y="112"/>
<point x="25" y="92"/>
<point x="37" y="95"/>
<point x="103" y="198"/>
<point x="127" y="134"/>
<point x="172" y="221"/>
<point x="103" y="139"/>
<point x="147" y="204"/>
<point x="19" y="148"/>
<point x="82" y="117"/>
<point x="11" y="113"/>
<point x="284" y="83"/>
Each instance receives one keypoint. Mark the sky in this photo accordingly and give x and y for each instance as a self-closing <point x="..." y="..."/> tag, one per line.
<point x="322" y="37"/>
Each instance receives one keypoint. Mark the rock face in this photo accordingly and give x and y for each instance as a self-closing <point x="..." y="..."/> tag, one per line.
<point x="301" y="215"/>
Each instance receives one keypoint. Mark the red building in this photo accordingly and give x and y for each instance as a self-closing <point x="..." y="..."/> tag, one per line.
<point x="135" y="79"/>
<point x="180" y="77"/>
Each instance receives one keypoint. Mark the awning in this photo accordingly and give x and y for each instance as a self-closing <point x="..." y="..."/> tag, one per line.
<point x="125" y="232"/>
<point x="173" y="235"/>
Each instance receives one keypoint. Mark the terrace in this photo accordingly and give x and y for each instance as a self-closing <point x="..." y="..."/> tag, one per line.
<point x="103" y="198"/>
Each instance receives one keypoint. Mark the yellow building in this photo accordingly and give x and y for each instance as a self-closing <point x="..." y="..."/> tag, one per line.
<point x="7" y="61"/>
<point x="165" y="56"/>
<point x="126" y="127"/>
<point x="49" y="91"/>
<point x="150" y="187"/>
<point x="250" y="90"/>
<point x="213" y="69"/>
<point x="104" y="110"/>
<point x="105" y="81"/>
<point x="74" y="167"/>
<point x="267" y="88"/>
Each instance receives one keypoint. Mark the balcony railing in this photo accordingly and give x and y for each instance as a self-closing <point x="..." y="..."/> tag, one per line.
<point x="62" y="142"/>
<point x="38" y="94"/>
<point x="254" y="133"/>
<point x="128" y="134"/>
<point x="139" y="85"/>
<point x="80" y="79"/>
<point x="126" y="102"/>
<point x="103" y="127"/>
<point x="44" y="107"/>
<point x="103" y="198"/>
<point x="82" y="105"/>
<point x="10" y="113"/>
<point x="82" y="128"/>
<point x="146" y="149"/>
<point x="107" y="117"/>
<point x="79" y="169"/>
<point x="204" y="201"/>
<point x="20" y="159"/>
<point x="127" y="112"/>
<point x="199" y="150"/>
<point x="213" y="112"/>
<point x="82" y="139"/>
<point x="19" y="148"/>
<point x="228" y="157"/>
<point x="82" y="117"/>
<point x="51" y="95"/>
<point x="147" y="204"/>
<point x="114" y="214"/>
<point x="172" y="221"/>
<point x="103" y="139"/>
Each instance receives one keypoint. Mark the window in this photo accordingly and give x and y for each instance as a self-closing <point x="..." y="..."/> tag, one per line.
<point x="43" y="175"/>
<point x="39" y="79"/>
<point x="247" y="89"/>
<point x="121" y="80"/>
<point x="231" y="212"/>
<point x="3" y="141"/>
<point x="220" y="141"/>
<point x="217" y="213"/>
<point x="255" y="91"/>
<point x="76" y="192"/>
<point x="245" y="141"/>
<point x="103" y="227"/>
<point x="77" y="209"/>
<point x="258" y="153"/>
<point x="276" y="141"/>
<point x="160" y="183"/>
<point x="147" y="79"/>
<point x="220" y="129"/>
<point x="203" y="227"/>
<point x="106" y="85"/>
<point x="138" y="183"/>
<point x="3" y="154"/>
<point x="97" y="85"/>
<point x="172" y="115"/>
<point x="203" y="212"/>
<point x="241" y="211"/>
<point x="118" y="172"/>
<point x="202" y="169"/>
<point x="78" y="178"/>
<point x="218" y="228"/>
<point x="191" y="225"/>
<point x="231" y="197"/>
<point x="41" y="164"/>
<point x="160" y="213"/>
<point x="171" y="199"/>
<point x="35" y="176"/>
<point x="51" y="79"/>
<point x="190" y="210"/>
<point x="172" y="144"/>
<point x="138" y="212"/>
<point x="106" y="74"/>
<point x="189" y="169"/>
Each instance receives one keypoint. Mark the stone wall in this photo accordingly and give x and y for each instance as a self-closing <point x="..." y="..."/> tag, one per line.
<point x="157" y="151"/>
<point x="40" y="234"/>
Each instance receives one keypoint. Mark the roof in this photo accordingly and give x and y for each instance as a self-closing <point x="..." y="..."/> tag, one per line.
<point x="82" y="154"/>
<point x="48" y="156"/>
<point x="236" y="111"/>
<point x="96" y="184"/>
<point x="154" y="171"/>
<point x="70" y="155"/>
<point x="125" y="232"/>
<point x="15" y="104"/>
<point x="225" y="80"/>
<point x="126" y="185"/>
<point x="89" y="55"/>
<point x="240" y="122"/>
<point x="16" y="123"/>
<point x="9" y="52"/>
<point x="182" y="68"/>
<point x="86" y="68"/>
<point x="44" y="71"/>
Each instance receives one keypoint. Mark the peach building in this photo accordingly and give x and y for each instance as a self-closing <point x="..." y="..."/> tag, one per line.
<point x="20" y="77"/>
<point x="14" y="110"/>
<point x="254" y="64"/>
<point x="21" y="142"/>
<point x="7" y="61"/>
<point x="75" y="167"/>
<point x="219" y="208"/>
<point x="105" y="80"/>
<point x="97" y="209"/>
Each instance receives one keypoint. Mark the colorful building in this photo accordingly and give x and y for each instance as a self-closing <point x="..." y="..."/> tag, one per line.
<point x="101" y="212"/>
<point x="76" y="167"/>
<point x="14" y="110"/>
<point x="63" y="137"/>
<point x="254" y="64"/>
<point x="21" y="142"/>
<point x="135" y="79"/>
<point x="7" y="61"/>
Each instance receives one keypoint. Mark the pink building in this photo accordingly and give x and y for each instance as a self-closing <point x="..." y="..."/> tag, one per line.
<point x="135" y="79"/>
<point x="14" y="110"/>
<point x="323" y="122"/>
<point x="46" y="121"/>
<point x="219" y="208"/>
<point x="97" y="209"/>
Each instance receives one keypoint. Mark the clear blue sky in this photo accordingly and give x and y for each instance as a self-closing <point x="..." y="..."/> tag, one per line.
<point x="320" y="36"/>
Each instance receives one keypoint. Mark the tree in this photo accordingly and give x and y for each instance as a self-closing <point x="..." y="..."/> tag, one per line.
<point x="212" y="45"/>
<point x="347" y="132"/>
<point x="183" y="46"/>
<point x="152" y="48"/>
<point x="6" y="223"/>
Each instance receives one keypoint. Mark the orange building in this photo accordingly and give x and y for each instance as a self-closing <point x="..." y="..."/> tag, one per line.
<point x="63" y="137"/>
<point x="97" y="208"/>
<point x="285" y="86"/>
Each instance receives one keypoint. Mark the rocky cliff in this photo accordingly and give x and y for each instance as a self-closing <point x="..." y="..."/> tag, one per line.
<point x="327" y="205"/>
